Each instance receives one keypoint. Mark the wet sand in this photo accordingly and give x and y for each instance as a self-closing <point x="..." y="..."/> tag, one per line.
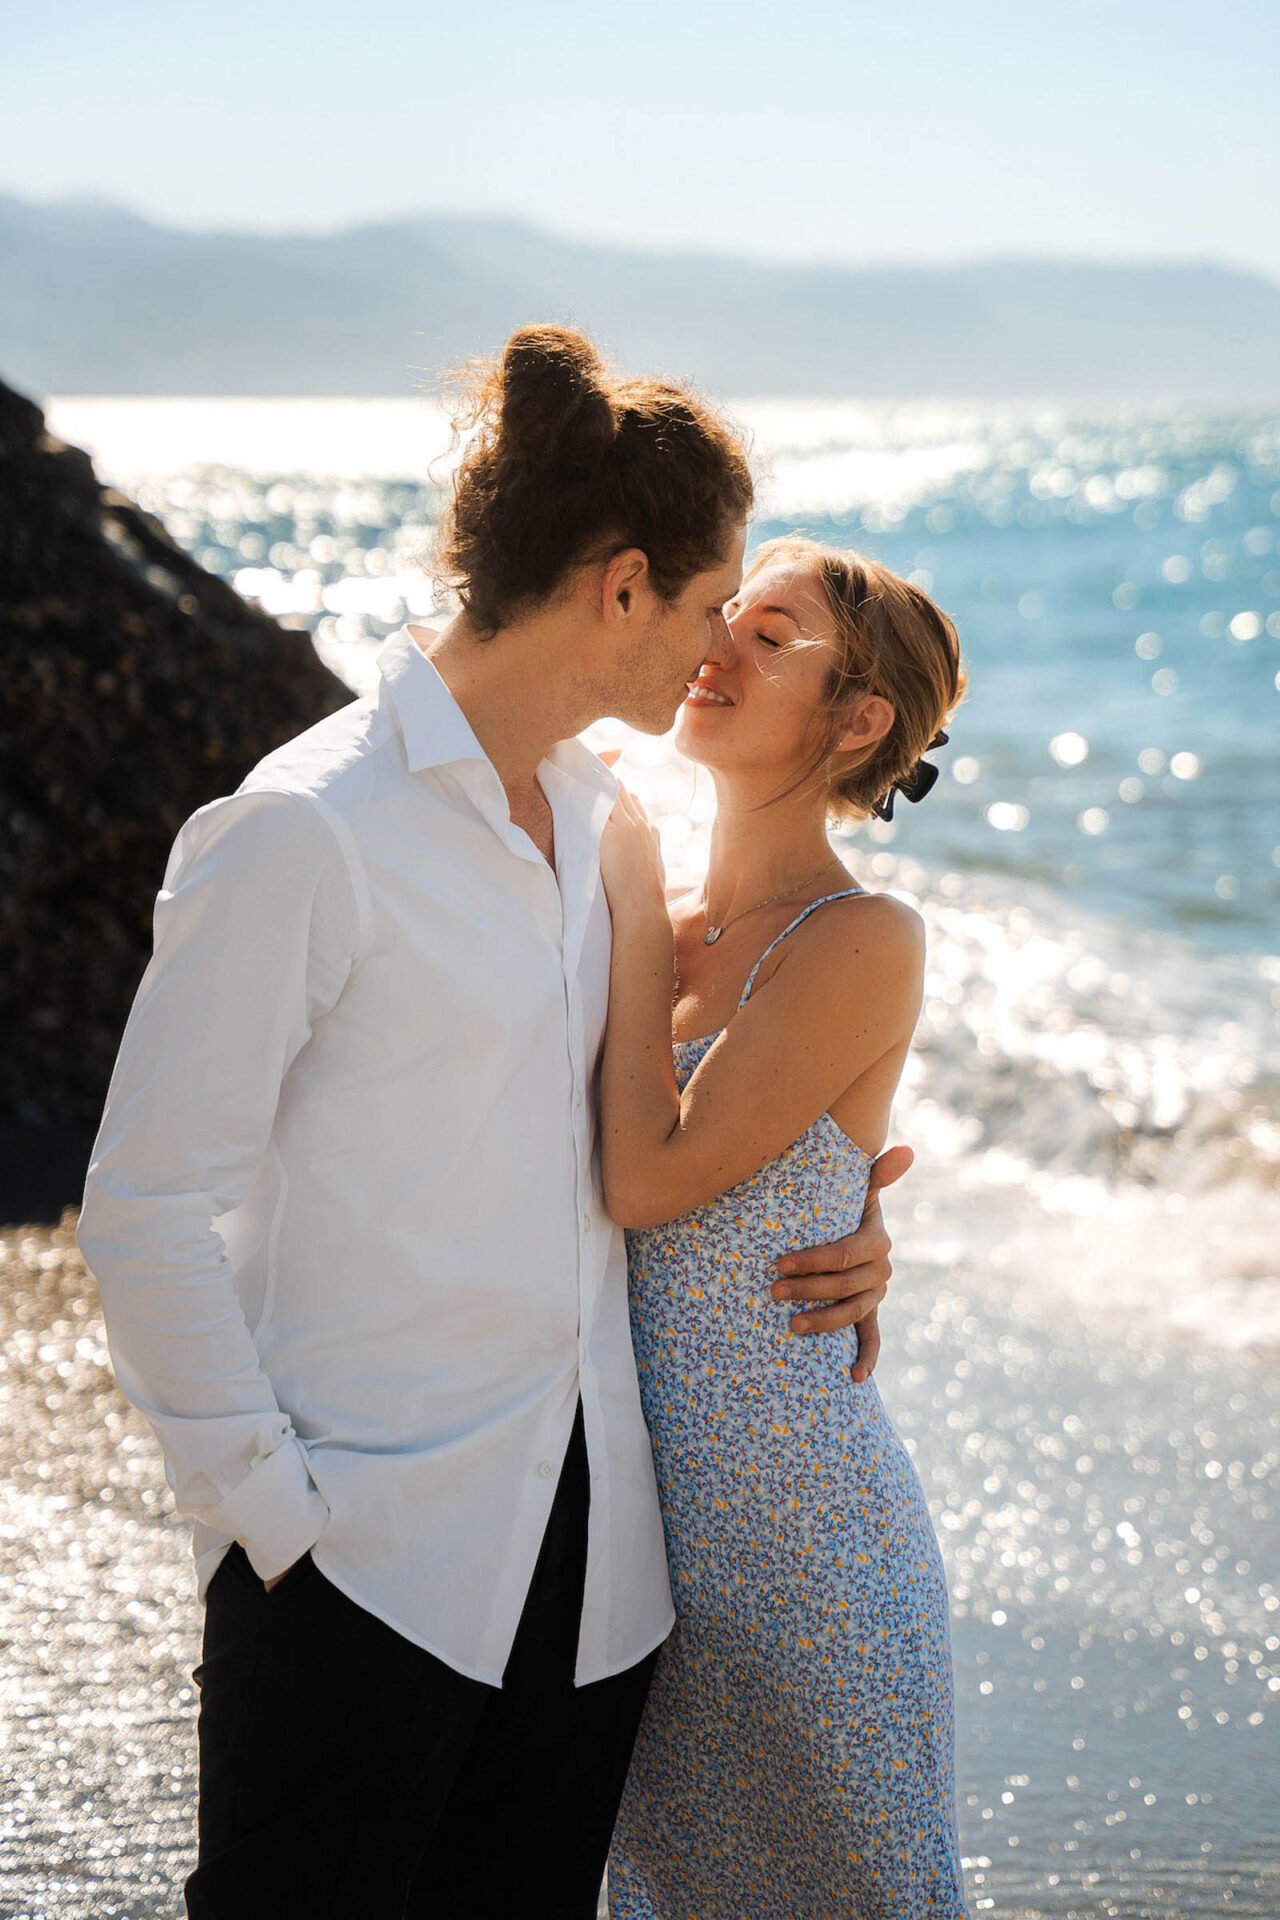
<point x="1105" y="1497"/>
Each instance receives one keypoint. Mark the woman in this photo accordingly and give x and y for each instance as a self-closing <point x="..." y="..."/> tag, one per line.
<point x="795" y="1760"/>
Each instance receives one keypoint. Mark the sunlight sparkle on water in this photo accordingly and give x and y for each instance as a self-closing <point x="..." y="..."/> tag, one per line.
<point x="1069" y="749"/>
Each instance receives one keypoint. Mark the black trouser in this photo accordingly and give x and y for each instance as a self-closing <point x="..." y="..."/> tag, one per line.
<point x="345" y="1772"/>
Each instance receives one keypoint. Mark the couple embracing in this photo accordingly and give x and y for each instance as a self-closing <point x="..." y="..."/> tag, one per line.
<point x="524" y="1546"/>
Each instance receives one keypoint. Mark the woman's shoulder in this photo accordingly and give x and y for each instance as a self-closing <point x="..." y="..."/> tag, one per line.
<point x="876" y="932"/>
<point x="854" y="965"/>
<point x="858" y="917"/>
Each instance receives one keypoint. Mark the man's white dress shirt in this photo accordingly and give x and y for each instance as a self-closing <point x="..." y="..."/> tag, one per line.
<point x="344" y="1208"/>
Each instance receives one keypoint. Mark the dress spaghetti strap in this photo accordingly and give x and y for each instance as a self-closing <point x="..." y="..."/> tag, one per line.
<point x="846" y="893"/>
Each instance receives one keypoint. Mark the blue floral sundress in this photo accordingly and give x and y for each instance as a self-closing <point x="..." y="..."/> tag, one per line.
<point x="795" y="1757"/>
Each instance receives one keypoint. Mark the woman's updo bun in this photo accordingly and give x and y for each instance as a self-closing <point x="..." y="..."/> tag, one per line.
<point x="565" y="461"/>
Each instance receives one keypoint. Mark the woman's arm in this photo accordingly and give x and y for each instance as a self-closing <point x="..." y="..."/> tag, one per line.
<point x="846" y="992"/>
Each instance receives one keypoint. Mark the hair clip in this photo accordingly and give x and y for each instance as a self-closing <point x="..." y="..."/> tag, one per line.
<point x="913" y="785"/>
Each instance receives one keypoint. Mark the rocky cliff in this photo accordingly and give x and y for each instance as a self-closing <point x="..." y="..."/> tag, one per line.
<point x="135" y="687"/>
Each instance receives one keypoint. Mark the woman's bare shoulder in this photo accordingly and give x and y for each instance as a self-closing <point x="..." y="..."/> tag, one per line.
<point x="876" y="931"/>
<point x="881" y="917"/>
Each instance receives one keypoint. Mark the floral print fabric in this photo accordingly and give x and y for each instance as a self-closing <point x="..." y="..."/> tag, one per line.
<point x="795" y="1758"/>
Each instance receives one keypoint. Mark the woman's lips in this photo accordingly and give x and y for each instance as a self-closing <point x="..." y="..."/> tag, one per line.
<point x="701" y="695"/>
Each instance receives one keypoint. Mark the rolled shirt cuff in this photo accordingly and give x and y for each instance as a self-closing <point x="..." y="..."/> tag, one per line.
<point x="276" y="1513"/>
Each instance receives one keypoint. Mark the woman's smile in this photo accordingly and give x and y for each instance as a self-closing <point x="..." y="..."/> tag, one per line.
<point x="703" y="694"/>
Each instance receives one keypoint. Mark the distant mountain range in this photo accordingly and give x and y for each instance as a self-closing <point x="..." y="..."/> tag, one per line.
<point x="96" y="299"/>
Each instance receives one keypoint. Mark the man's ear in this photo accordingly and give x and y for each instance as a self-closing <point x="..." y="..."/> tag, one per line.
<point x="625" y="573"/>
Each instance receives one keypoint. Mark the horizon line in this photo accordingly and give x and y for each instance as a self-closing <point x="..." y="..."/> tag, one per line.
<point x="90" y="201"/>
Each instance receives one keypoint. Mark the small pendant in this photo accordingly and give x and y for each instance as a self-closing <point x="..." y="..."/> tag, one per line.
<point x="711" y="935"/>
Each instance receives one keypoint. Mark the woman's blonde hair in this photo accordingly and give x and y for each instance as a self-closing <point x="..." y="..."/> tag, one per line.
<point x="892" y="640"/>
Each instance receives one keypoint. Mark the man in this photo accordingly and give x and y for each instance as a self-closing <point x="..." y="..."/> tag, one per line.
<point x="345" y="1212"/>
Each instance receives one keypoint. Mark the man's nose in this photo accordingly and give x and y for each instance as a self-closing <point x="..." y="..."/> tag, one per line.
<point x="721" y="651"/>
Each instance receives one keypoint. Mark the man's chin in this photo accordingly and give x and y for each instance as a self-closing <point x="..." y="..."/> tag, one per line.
<point x="656" y="720"/>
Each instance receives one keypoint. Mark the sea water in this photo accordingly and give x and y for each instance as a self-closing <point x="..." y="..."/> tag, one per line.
<point x="1098" y="1062"/>
<point x="1080" y="1333"/>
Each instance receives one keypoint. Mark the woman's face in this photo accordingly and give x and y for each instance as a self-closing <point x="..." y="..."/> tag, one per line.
<point x="757" y="705"/>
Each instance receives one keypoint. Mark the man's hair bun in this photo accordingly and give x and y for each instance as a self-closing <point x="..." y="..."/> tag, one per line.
<point x="553" y="395"/>
<point x="563" y="461"/>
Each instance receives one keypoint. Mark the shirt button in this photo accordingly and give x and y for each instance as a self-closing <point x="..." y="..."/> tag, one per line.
<point x="545" y="1469"/>
<point x="587" y="1223"/>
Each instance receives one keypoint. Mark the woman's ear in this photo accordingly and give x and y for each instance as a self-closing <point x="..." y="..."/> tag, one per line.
<point x="870" y="721"/>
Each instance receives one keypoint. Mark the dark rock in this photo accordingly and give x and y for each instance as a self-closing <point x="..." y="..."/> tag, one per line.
<point x="135" y="688"/>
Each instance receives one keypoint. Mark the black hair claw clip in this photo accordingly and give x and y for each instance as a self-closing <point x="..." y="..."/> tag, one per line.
<point x="913" y="785"/>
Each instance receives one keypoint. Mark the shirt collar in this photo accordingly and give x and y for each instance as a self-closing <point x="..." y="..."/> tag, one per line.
<point x="575" y="758"/>
<point x="437" y="732"/>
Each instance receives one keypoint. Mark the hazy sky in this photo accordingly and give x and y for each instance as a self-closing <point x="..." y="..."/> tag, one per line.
<point x="818" y="129"/>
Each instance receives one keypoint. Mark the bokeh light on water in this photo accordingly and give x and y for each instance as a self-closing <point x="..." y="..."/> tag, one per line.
<point x="1116" y="581"/>
<point x="1080" y="1335"/>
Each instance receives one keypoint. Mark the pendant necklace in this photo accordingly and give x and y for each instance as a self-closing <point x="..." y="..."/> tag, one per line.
<point x="712" y="934"/>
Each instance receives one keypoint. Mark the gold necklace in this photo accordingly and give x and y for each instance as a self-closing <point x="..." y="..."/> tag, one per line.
<point x="712" y="934"/>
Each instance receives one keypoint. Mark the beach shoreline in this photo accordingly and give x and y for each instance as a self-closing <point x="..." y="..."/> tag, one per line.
<point x="1116" y="1718"/>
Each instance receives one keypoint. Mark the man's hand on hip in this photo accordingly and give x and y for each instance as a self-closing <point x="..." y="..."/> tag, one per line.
<point x="853" y="1273"/>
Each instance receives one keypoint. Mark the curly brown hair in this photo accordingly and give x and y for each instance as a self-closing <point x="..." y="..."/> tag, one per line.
<point x="565" y="461"/>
